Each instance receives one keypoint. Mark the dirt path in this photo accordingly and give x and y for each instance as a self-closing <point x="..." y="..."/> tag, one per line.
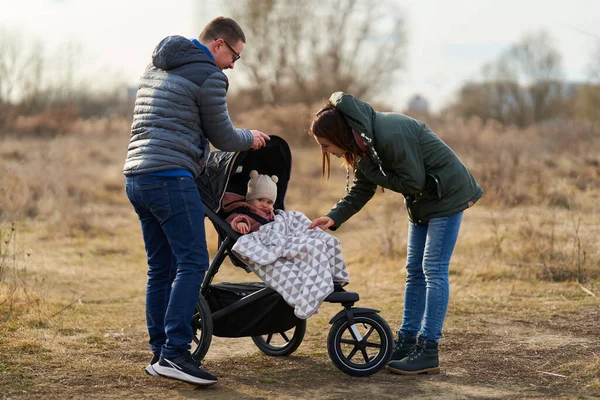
<point x="501" y="360"/>
<point x="504" y="360"/>
<point x="503" y="339"/>
<point x="488" y="359"/>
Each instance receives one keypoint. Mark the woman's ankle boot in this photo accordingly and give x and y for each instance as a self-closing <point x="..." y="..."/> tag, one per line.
<point x="403" y="346"/>
<point x="422" y="360"/>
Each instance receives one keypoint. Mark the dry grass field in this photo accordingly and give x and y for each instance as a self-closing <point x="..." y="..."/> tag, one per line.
<point x="524" y="314"/>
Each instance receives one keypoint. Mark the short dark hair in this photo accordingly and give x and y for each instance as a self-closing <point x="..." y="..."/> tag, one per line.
<point x="222" y="27"/>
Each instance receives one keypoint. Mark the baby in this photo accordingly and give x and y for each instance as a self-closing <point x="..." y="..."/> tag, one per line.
<point x="249" y="214"/>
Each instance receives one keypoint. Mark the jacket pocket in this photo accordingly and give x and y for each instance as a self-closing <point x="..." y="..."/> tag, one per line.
<point x="433" y="186"/>
<point x="408" y="203"/>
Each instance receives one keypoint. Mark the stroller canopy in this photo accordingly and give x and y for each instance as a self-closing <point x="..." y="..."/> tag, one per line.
<point x="230" y="172"/>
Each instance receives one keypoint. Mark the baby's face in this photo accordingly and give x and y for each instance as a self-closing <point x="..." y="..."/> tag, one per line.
<point x="262" y="204"/>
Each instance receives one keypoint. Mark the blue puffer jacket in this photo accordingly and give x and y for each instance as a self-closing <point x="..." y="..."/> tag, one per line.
<point x="180" y="107"/>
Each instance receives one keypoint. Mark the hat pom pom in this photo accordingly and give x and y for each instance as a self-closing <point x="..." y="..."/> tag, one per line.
<point x="274" y="178"/>
<point x="253" y="173"/>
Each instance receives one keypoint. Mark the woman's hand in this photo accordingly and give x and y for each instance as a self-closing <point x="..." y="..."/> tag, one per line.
<point x="322" y="222"/>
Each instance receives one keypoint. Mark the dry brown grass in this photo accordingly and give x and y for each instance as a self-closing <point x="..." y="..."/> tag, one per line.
<point x="524" y="311"/>
<point x="549" y="165"/>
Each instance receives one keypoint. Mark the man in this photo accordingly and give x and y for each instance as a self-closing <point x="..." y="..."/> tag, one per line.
<point x="180" y="108"/>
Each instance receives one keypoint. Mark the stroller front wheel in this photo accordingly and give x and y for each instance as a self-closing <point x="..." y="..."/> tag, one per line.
<point x="363" y="348"/>
<point x="282" y="343"/>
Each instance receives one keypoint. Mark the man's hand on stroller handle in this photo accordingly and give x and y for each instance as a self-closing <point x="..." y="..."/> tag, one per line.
<point x="260" y="139"/>
<point x="322" y="222"/>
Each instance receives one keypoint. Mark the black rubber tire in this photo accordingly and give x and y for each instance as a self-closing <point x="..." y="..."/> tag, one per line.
<point x="290" y="341"/>
<point x="202" y="327"/>
<point x="364" y="357"/>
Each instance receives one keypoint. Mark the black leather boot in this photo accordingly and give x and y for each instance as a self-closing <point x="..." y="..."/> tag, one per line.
<point x="422" y="360"/>
<point x="403" y="346"/>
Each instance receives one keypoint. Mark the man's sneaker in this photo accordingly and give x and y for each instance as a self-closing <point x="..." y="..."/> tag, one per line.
<point x="149" y="369"/>
<point x="184" y="368"/>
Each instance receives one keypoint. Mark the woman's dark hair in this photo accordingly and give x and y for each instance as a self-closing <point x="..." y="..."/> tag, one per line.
<point x="329" y="123"/>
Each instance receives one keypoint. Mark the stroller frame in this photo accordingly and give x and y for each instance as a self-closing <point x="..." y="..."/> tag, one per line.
<point x="359" y="343"/>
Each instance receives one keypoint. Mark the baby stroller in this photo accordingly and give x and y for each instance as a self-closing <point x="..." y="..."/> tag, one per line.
<point x="360" y="342"/>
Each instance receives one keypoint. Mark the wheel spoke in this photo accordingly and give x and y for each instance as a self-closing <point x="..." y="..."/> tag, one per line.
<point x="284" y="336"/>
<point x="269" y="338"/>
<point x="365" y="355"/>
<point x="375" y="345"/>
<point x="366" y="336"/>
<point x="352" y="353"/>
<point x="349" y="341"/>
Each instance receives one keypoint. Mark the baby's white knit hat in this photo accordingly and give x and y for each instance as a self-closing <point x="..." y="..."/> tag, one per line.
<point x="262" y="186"/>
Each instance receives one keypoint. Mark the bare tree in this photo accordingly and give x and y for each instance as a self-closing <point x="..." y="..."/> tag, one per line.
<point x="508" y="99"/>
<point x="588" y="95"/>
<point x="539" y="66"/>
<point x="21" y="63"/>
<point x="523" y="86"/>
<point x="594" y="65"/>
<point x="301" y="51"/>
<point x="66" y="82"/>
<point x="32" y="83"/>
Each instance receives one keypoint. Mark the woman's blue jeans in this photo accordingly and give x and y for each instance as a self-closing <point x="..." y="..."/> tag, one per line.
<point x="172" y="217"/>
<point x="430" y="248"/>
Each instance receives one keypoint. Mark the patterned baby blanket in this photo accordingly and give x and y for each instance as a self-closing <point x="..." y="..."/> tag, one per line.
<point x="299" y="263"/>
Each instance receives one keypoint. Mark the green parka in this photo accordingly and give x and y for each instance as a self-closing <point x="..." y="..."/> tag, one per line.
<point x="405" y="156"/>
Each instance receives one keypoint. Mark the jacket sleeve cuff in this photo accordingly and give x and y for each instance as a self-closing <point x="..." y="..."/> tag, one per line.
<point x="336" y="220"/>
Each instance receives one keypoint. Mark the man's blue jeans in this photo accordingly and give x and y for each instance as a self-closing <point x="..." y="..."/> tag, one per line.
<point x="172" y="218"/>
<point x="430" y="247"/>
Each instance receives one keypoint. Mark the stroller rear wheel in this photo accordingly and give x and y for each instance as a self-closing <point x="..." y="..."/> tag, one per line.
<point x="363" y="348"/>
<point x="282" y="343"/>
<point x="202" y="326"/>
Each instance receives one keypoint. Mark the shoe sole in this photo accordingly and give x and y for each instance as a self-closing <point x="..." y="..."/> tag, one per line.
<point x="168" y="372"/>
<point x="428" y="371"/>
<point x="150" y="370"/>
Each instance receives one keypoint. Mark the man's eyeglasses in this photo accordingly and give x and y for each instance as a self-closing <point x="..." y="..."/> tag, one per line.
<point x="236" y="55"/>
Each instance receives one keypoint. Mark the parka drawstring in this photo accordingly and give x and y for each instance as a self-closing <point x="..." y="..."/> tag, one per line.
<point x="347" y="180"/>
<point x="373" y="151"/>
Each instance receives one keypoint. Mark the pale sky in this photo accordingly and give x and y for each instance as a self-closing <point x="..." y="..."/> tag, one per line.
<point x="448" y="40"/>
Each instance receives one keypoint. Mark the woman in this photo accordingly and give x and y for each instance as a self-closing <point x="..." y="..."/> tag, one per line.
<point x="402" y="154"/>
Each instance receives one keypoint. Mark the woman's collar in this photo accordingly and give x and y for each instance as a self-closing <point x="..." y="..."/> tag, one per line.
<point x="360" y="142"/>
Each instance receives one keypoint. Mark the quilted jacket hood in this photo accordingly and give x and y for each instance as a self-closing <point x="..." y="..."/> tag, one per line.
<point x="175" y="51"/>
